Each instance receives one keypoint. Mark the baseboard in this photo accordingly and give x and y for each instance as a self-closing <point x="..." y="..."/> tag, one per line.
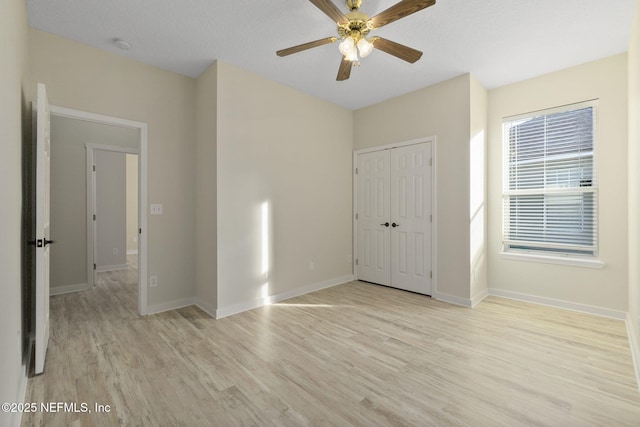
<point x="567" y="305"/>
<point x="21" y="393"/>
<point x="171" y="305"/>
<point x="260" y="302"/>
<point x="634" y="344"/>
<point x="116" y="267"/>
<point x="452" y="299"/>
<point x="67" y="289"/>
<point x="478" y="298"/>
<point x="205" y="306"/>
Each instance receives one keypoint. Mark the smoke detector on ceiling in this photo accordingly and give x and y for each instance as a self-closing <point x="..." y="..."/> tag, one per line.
<point x="122" y="44"/>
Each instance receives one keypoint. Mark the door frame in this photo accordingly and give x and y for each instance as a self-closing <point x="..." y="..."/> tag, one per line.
<point x="142" y="152"/>
<point x="92" y="231"/>
<point x="434" y="198"/>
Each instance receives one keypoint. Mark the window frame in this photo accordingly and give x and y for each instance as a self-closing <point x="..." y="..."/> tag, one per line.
<point x="547" y="254"/>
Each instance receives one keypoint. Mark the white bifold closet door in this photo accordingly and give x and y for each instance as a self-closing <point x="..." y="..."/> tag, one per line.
<point x="394" y="217"/>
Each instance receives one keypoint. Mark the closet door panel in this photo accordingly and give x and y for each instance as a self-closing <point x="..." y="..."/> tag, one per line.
<point x="373" y="259"/>
<point x="410" y="208"/>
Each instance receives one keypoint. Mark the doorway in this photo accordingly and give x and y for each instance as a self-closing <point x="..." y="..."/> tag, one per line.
<point x="112" y="207"/>
<point x="139" y="148"/>
<point x="393" y="220"/>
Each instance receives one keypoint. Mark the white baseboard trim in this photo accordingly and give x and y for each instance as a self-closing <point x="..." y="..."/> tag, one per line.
<point x="478" y="298"/>
<point x="116" y="267"/>
<point x="260" y="302"/>
<point x="205" y="306"/>
<point x="67" y="289"/>
<point x="567" y="305"/>
<point x="132" y="252"/>
<point x="452" y="299"/>
<point x="171" y="305"/>
<point x="633" y="332"/>
<point x="21" y="393"/>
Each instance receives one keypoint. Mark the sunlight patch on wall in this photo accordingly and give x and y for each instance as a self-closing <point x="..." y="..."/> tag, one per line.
<point x="476" y="197"/>
<point x="264" y="227"/>
<point x="265" y="248"/>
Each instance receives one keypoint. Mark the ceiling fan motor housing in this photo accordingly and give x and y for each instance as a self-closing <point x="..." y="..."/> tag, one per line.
<point x="358" y="26"/>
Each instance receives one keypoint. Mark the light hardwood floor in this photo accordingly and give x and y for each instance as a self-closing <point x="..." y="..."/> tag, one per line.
<point x="355" y="354"/>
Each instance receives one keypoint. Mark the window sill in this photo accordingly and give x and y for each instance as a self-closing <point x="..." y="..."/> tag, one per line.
<point x="546" y="259"/>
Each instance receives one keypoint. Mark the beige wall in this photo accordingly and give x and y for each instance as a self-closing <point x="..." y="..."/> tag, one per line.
<point x="286" y="154"/>
<point x="111" y="210"/>
<point x="443" y="111"/>
<point x="633" y="319"/>
<point x="13" y="118"/>
<point x="69" y="192"/>
<point x="132" y="202"/>
<point x="477" y="189"/>
<point x="84" y="78"/>
<point x="206" y="189"/>
<point x="605" y="80"/>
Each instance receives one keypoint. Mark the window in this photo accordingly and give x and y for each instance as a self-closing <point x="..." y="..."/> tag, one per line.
<point x="550" y="191"/>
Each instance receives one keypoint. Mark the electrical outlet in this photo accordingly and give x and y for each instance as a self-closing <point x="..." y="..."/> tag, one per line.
<point x="153" y="281"/>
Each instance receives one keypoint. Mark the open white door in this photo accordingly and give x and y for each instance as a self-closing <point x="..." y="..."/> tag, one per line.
<point x="43" y="156"/>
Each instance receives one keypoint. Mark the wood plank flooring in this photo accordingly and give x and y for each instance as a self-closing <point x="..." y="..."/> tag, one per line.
<point x="355" y="354"/>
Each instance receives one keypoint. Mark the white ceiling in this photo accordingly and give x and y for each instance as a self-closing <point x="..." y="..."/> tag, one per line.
<point x="498" y="41"/>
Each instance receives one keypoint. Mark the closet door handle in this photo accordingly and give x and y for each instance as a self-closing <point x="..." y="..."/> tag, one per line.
<point x="386" y="224"/>
<point x="394" y="225"/>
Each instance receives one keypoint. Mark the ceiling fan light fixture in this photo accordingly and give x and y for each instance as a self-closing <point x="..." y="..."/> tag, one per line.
<point x="364" y="47"/>
<point x="353" y="55"/>
<point x="347" y="47"/>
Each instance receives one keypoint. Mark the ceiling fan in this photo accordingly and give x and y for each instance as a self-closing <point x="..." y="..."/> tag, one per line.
<point x="354" y="26"/>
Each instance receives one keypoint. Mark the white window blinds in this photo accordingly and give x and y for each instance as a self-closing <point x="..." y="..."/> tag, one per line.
<point x="550" y="187"/>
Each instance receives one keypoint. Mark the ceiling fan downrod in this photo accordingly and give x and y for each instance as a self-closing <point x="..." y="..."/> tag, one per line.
<point x="353" y="5"/>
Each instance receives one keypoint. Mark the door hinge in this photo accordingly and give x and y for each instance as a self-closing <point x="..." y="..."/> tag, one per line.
<point x="356" y="215"/>
<point x="94" y="217"/>
<point x="356" y="171"/>
<point x="431" y="161"/>
<point x="139" y="230"/>
<point x="431" y="275"/>
<point x="94" y="168"/>
<point x="430" y="218"/>
<point x="356" y="261"/>
<point x="94" y="266"/>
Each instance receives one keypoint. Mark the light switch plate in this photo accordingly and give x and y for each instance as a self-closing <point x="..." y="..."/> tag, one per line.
<point x="156" y="208"/>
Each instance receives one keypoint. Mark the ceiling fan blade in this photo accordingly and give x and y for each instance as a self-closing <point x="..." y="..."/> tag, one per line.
<point x="331" y="10"/>
<point x="344" y="71"/>
<point x="305" y="46"/>
<point x="396" y="49"/>
<point x="400" y="10"/>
